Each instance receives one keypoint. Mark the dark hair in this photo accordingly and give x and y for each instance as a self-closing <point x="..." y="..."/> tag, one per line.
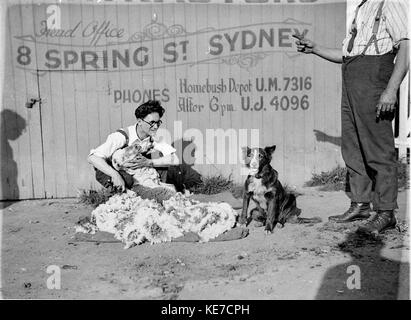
<point x="149" y="107"/>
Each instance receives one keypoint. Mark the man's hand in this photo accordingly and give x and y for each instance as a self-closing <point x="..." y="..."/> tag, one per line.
<point x="305" y="45"/>
<point x="118" y="182"/>
<point x="308" y="46"/>
<point x="386" y="104"/>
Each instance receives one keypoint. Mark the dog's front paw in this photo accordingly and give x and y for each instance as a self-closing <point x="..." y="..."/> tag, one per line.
<point x="242" y="221"/>
<point x="268" y="229"/>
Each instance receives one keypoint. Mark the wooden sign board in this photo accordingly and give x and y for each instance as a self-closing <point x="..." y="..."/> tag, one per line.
<point x="227" y="74"/>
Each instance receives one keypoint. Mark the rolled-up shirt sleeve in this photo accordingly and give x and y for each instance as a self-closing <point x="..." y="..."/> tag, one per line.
<point x="114" y="142"/>
<point x="396" y="14"/>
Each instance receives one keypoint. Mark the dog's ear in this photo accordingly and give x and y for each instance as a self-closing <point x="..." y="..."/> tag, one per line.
<point x="269" y="150"/>
<point x="246" y="151"/>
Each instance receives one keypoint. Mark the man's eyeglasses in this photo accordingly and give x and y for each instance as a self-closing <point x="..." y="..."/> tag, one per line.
<point x="153" y="123"/>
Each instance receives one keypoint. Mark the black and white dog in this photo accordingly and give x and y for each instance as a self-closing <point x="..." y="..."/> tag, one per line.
<point x="274" y="204"/>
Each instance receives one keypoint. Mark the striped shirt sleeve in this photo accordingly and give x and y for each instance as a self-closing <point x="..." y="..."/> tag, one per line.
<point x="396" y="14"/>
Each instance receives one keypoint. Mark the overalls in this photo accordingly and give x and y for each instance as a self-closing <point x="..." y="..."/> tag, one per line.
<point x="367" y="143"/>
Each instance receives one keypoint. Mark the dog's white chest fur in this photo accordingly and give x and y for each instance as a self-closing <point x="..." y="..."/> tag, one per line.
<point x="259" y="190"/>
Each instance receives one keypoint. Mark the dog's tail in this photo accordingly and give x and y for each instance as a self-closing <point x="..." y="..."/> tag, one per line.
<point x="308" y="220"/>
<point x="290" y="212"/>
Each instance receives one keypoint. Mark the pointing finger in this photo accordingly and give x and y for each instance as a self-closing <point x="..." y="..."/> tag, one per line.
<point x="378" y="109"/>
<point x="297" y="37"/>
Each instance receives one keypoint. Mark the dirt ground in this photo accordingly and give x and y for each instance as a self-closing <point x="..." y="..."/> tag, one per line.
<point x="296" y="262"/>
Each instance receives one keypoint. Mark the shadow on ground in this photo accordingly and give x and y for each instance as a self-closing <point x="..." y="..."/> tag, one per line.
<point x="369" y="275"/>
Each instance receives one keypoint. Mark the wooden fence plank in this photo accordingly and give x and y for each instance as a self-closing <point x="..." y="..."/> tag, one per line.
<point x="32" y="154"/>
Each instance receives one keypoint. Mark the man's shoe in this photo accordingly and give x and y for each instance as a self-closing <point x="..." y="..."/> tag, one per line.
<point x="383" y="220"/>
<point x="357" y="211"/>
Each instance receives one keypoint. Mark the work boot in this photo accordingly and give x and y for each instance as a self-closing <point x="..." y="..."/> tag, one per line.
<point x="357" y="211"/>
<point x="383" y="220"/>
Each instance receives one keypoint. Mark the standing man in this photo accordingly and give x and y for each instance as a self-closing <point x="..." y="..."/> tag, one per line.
<point x="374" y="61"/>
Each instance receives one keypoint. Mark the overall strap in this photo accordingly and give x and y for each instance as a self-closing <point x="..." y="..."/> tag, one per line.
<point x="375" y="30"/>
<point x="123" y="132"/>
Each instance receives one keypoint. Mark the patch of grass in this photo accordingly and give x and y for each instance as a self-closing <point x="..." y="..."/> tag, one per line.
<point x="333" y="180"/>
<point x="213" y="185"/>
<point x="95" y="197"/>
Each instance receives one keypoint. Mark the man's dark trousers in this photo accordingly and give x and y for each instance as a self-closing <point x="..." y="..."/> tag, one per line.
<point x="367" y="143"/>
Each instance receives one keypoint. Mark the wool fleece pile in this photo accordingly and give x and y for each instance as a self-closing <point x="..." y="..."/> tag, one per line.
<point x="134" y="220"/>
